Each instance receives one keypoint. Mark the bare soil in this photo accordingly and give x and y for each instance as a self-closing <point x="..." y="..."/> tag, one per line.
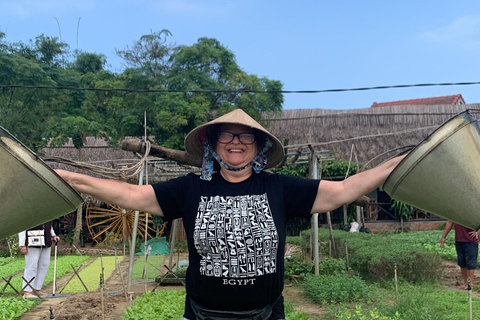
<point x="90" y="305"/>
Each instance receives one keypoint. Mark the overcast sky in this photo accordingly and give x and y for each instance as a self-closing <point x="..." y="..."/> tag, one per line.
<point x="307" y="45"/>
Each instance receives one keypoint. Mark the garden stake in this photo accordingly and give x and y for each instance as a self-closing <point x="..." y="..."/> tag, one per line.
<point x="101" y="287"/>
<point x="55" y="269"/>
<point x="470" y="298"/>
<point x="29" y="285"/>
<point x="71" y="277"/>
<point x="396" y="281"/>
<point x="346" y="251"/>
<point x="76" y="273"/>
<point x="8" y="283"/>
<point x="116" y="258"/>
<point x="123" y="282"/>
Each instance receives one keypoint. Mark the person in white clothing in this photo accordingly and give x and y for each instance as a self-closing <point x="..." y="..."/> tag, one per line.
<point x="35" y="244"/>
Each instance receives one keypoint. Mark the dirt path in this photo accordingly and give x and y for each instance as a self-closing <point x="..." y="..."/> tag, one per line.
<point x="452" y="277"/>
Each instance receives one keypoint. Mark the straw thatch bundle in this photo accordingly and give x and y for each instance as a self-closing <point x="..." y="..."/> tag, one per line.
<point x="371" y="132"/>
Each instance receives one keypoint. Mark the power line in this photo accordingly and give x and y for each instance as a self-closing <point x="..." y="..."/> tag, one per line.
<point x="238" y="90"/>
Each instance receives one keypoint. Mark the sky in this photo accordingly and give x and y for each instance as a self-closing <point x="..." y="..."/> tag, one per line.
<point x="305" y="44"/>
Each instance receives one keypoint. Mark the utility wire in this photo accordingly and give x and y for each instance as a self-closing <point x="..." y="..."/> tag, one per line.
<point x="238" y="90"/>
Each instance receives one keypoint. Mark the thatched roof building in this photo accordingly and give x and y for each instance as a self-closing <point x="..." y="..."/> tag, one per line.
<point x="359" y="135"/>
<point x="371" y="132"/>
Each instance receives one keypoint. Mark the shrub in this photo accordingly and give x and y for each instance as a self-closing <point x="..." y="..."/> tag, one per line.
<point x="331" y="266"/>
<point x="375" y="257"/>
<point x="292" y="314"/>
<point x="360" y="314"/>
<point x="339" y="288"/>
<point x="296" y="269"/>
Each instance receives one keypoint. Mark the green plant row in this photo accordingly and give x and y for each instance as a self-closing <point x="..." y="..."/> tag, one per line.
<point x="169" y="304"/>
<point x="63" y="268"/>
<point x="154" y="266"/>
<point x="10" y="268"/>
<point x="12" y="308"/>
<point x="375" y="258"/>
<point x="91" y="274"/>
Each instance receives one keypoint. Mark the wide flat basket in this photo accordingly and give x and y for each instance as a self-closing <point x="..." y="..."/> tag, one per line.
<point x="31" y="193"/>
<point x="441" y="175"/>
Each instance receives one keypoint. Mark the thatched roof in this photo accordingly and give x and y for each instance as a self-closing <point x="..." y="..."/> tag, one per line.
<point x="371" y="131"/>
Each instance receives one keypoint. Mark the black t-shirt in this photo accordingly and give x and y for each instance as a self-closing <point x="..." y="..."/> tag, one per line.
<point x="236" y="234"/>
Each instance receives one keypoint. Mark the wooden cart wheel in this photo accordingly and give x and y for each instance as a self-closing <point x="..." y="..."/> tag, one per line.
<point x="116" y="221"/>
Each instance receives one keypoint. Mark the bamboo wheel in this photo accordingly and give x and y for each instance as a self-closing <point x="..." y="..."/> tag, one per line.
<point x="115" y="222"/>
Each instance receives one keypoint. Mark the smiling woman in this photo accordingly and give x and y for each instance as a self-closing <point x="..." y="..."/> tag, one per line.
<point x="234" y="214"/>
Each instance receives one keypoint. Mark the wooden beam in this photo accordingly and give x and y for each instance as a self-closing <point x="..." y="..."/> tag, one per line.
<point x="183" y="157"/>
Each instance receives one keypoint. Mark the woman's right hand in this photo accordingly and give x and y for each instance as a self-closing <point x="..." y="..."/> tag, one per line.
<point x="24" y="250"/>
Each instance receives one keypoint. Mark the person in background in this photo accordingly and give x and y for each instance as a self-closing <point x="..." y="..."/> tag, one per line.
<point x="234" y="214"/>
<point x="35" y="244"/>
<point x="466" y="245"/>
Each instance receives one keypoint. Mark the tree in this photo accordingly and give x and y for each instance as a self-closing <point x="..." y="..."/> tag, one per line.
<point x="151" y="54"/>
<point x="206" y="66"/>
<point x="89" y="62"/>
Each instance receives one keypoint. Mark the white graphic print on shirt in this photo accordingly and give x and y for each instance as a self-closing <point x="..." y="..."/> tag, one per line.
<point x="236" y="236"/>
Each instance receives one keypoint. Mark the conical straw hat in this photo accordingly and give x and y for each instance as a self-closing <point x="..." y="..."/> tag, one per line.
<point x="194" y="139"/>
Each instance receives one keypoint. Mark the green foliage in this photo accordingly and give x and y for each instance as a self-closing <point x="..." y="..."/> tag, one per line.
<point x="331" y="266"/>
<point x="153" y="267"/>
<point x="89" y="62"/>
<point x="91" y="275"/>
<point x="163" y="304"/>
<point x="339" y="288"/>
<point x="339" y="169"/>
<point x="15" y="268"/>
<point x="9" y="267"/>
<point x="429" y="302"/>
<point x="296" y="269"/>
<point x="403" y="210"/>
<point x="292" y="314"/>
<point x="296" y="170"/>
<point x="13" y="308"/>
<point x="361" y="314"/>
<point x="295" y="240"/>
<point x="375" y="257"/>
<point x="38" y="117"/>
<point x="76" y="128"/>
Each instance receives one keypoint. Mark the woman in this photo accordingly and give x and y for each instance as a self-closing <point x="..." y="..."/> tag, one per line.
<point x="35" y="245"/>
<point x="234" y="214"/>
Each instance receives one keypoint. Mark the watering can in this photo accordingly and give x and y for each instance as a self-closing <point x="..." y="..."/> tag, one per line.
<point x="441" y="175"/>
<point x="31" y="193"/>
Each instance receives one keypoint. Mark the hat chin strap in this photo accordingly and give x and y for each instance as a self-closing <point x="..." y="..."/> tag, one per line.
<point x="258" y="163"/>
